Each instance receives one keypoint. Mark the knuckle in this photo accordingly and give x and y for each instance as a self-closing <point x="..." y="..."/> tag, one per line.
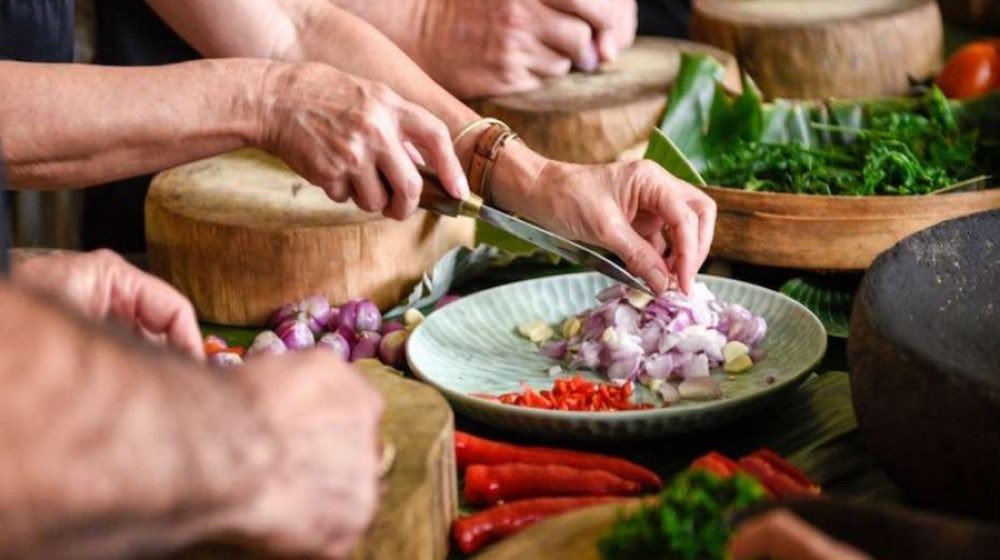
<point x="509" y="14"/>
<point x="107" y="257"/>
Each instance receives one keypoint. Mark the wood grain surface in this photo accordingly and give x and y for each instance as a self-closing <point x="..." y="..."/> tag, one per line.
<point x="591" y="118"/>
<point x="240" y="235"/>
<point x="571" y="536"/>
<point x="804" y="49"/>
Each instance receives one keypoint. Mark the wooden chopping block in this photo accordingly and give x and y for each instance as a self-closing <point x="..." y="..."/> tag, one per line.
<point x="804" y="49"/>
<point x="591" y="118"/>
<point x="420" y="495"/>
<point x="240" y="235"/>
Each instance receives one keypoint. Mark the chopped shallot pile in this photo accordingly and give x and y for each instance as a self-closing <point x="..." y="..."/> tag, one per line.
<point x="669" y="343"/>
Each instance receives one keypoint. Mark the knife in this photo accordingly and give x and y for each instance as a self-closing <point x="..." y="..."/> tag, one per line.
<point x="434" y="199"/>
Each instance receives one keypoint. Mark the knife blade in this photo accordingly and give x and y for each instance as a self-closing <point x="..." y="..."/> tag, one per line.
<point x="435" y="199"/>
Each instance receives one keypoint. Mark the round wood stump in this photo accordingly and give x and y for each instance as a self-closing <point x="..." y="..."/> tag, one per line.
<point x="802" y="49"/>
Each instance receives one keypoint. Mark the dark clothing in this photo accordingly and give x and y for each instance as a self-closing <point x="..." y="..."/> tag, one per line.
<point x="4" y="228"/>
<point x="31" y="31"/>
<point x="36" y="30"/>
<point x="670" y="18"/>
<point x="128" y="34"/>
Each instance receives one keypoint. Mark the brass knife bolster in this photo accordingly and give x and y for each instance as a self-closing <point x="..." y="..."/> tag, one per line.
<point x="470" y="206"/>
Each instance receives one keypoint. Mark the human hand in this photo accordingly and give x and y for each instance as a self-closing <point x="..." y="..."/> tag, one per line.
<point x="478" y="48"/>
<point x="319" y="495"/>
<point x="101" y="285"/>
<point x="780" y="535"/>
<point x="342" y="132"/>
<point x="626" y="207"/>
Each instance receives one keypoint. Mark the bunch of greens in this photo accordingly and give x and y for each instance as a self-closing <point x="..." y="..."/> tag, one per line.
<point x="689" y="521"/>
<point x="886" y="147"/>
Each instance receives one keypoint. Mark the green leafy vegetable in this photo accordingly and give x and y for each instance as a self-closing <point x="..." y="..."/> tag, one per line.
<point x="884" y="147"/>
<point x="689" y="521"/>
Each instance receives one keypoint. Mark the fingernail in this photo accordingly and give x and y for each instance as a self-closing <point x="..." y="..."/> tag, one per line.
<point x="609" y="47"/>
<point x="588" y="62"/>
<point x="659" y="280"/>
<point x="463" y="185"/>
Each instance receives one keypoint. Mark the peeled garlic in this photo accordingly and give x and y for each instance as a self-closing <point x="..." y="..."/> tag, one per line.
<point x="536" y="331"/>
<point x="571" y="327"/>
<point x="412" y="317"/>
<point x="637" y="298"/>
<point x="734" y="349"/>
<point x="739" y="365"/>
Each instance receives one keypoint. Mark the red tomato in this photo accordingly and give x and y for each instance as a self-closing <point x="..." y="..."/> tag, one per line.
<point x="972" y="71"/>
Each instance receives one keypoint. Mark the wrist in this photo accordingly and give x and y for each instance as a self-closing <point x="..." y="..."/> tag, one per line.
<point x="515" y="178"/>
<point x="251" y="103"/>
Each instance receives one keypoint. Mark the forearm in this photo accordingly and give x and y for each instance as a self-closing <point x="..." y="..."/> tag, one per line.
<point x="318" y="31"/>
<point x="68" y="125"/>
<point x="109" y="450"/>
<point x="402" y="23"/>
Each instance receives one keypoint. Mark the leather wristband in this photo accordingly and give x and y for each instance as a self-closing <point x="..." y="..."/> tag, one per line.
<point x="484" y="155"/>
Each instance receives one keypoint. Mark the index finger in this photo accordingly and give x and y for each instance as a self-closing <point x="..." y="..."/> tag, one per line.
<point x="161" y="309"/>
<point x="422" y="128"/>
<point x="682" y="224"/>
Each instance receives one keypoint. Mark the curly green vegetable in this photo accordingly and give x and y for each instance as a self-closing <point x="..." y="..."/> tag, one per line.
<point x="689" y="521"/>
<point x="898" y="153"/>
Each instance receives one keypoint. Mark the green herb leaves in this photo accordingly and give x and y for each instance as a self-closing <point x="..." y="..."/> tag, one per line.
<point x="883" y="147"/>
<point x="690" y="520"/>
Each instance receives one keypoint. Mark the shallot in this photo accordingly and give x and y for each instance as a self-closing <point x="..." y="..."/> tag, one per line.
<point x="367" y="346"/>
<point x="267" y="343"/>
<point x="369" y="318"/>
<point x="296" y="335"/>
<point x="336" y="344"/>
<point x="392" y="348"/>
<point x="670" y="339"/>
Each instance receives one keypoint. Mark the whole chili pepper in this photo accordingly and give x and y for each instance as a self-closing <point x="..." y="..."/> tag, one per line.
<point x="480" y="529"/>
<point x="779" y="463"/>
<point x="778" y="484"/>
<point x="487" y="485"/>
<point x="717" y="464"/>
<point x="471" y="450"/>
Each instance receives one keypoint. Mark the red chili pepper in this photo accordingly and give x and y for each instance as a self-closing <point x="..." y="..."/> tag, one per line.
<point x="717" y="464"/>
<point x="214" y="345"/>
<point x="575" y="393"/>
<point x="480" y="529"/>
<point x="471" y="450"/>
<point x="487" y="485"/>
<point x="781" y="465"/>
<point x="778" y="484"/>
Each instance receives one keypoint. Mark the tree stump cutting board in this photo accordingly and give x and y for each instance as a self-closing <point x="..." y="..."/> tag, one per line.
<point x="591" y="118"/>
<point x="826" y="48"/>
<point x="241" y="234"/>
<point x="420" y="495"/>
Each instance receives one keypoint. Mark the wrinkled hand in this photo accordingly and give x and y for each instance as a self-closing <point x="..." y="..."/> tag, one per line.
<point x="101" y="285"/>
<point x="780" y="535"/>
<point x="319" y="495"/>
<point x="627" y="207"/>
<point x="342" y="132"/>
<point x="478" y="48"/>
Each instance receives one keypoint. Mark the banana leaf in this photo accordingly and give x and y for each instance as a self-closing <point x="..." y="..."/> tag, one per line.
<point x="830" y="302"/>
<point x="703" y="120"/>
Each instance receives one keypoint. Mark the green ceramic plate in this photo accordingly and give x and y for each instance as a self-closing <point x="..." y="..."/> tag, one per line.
<point x="471" y="347"/>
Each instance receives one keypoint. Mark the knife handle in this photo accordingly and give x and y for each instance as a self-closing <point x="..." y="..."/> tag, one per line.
<point x="434" y="198"/>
